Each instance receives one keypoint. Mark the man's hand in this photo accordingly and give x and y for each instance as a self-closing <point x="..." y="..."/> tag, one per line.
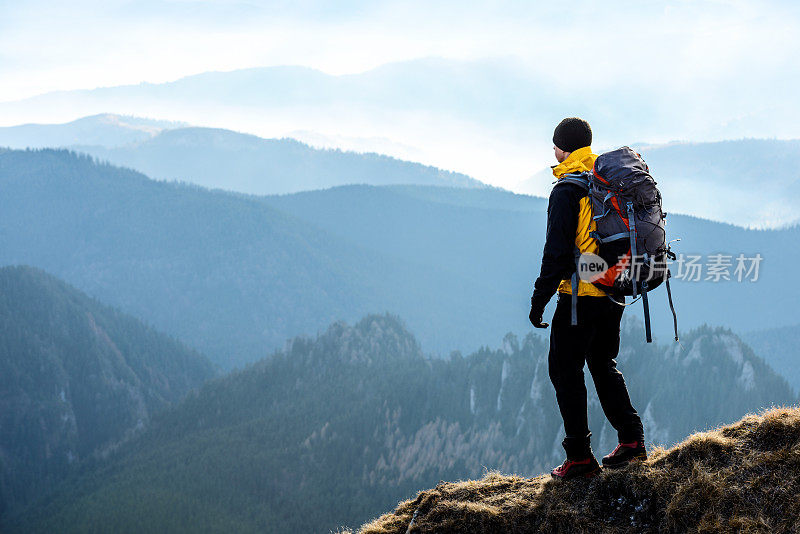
<point x="536" y="318"/>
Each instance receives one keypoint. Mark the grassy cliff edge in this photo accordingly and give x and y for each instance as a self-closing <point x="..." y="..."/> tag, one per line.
<point x="741" y="477"/>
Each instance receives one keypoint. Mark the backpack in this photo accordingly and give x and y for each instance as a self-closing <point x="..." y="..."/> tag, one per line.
<point x="626" y="207"/>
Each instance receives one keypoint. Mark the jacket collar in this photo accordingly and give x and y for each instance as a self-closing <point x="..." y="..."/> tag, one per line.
<point x="579" y="160"/>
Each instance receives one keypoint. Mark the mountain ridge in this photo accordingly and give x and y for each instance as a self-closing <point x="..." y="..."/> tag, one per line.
<point x="220" y="158"/>
<point x="103" y="128"/>
<point x="223" y="159"/>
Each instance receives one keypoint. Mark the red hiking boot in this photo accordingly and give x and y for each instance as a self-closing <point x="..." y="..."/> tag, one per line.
<point x="624" y="454"/>
<point x="587" y="468"/>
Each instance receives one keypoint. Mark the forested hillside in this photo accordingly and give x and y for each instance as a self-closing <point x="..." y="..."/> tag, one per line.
<point x="334" y="429"/>
<point x="234" y="276"/>
<point x="496" y="238"/>
<point x="77" y="378"/>
<point x="223" y="272"/>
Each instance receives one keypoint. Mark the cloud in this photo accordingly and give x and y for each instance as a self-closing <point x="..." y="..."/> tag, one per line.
<point x="650" y="42"/>
<point x="648" y="70"/>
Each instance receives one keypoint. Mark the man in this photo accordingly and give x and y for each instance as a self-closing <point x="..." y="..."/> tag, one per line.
<point x="595" y="338"/>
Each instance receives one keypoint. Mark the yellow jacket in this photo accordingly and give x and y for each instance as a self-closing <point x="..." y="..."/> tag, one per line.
<point x="579" y="161"/>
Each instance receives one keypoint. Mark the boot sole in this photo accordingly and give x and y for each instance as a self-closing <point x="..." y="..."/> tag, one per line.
<point x="635" y="459"/>
<point x="590" y="474"/>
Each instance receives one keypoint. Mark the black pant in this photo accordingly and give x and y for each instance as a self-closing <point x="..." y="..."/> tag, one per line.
<point x="594" y="340"/>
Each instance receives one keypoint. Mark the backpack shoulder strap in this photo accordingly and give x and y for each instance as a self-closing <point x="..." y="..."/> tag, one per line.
<point x="579" y="178"/>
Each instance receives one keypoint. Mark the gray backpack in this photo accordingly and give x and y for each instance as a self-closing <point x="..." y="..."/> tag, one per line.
<point x="626" y="207"/>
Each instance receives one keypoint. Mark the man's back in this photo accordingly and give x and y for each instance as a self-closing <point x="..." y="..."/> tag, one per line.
<point x="594" y="339"/>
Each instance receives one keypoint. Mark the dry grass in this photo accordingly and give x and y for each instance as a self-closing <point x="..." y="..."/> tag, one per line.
<point x="740" y="478"/>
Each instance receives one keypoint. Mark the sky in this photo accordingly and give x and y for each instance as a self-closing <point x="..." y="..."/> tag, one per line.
<point x="733" y="59"/>
<point x="51" y="45"/>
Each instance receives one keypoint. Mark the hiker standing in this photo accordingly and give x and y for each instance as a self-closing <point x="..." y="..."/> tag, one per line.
<point x="595" y="337"/>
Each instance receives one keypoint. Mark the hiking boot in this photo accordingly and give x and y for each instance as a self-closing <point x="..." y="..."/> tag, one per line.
<point x="624" y="454"/>
<point x="587" y="468"/>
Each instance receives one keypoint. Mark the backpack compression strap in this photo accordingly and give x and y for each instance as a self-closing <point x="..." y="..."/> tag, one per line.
<point x="632" y="235"/>
<point x="645" y="303"/>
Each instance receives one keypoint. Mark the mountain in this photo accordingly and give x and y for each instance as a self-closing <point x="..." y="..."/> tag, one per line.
<point x="490" y="118"/>
<point x="234" y="276"/>
<point x="77" y="379"/>
<point x="491" y="92"/>
<point x="688" y="173"/>
<point x="750" y="180"/>
<point x="223" y="159"/>
<point x="781" y="348"/>
<point x="224" y="272"/>
<point x="741" y="477"/>
<point x="334" y="428"/>
<point x="496" y="238"/>
<point x="106" y="130"/>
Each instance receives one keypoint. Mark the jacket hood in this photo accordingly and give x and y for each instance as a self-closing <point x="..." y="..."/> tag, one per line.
<point x="580" y="160"/>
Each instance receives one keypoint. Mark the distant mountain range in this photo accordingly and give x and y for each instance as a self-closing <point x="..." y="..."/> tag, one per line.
<point x="491" y="118"/>
<point x="222" y="159"/>
<point x="688" y="173"/>
<point x="235" y="276"/>
<point x="77" y="379"/>
<point x="749" y="182"/>
<point x="334" y="429"/>
<point x="106" y="130"/>
<point x="227" y="273"/>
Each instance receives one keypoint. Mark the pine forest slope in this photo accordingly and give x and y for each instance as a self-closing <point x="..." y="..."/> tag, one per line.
<point x="223" y="272"/>
<point x="76" y="379"/>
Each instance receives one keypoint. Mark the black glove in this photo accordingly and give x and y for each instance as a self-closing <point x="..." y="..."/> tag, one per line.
<point x="536" y="317"/>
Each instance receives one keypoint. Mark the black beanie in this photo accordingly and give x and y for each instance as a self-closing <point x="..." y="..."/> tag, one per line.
<point x="572" y="133"/>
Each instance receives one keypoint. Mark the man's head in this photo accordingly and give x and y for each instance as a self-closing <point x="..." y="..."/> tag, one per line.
<point x="571" y="134"/>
